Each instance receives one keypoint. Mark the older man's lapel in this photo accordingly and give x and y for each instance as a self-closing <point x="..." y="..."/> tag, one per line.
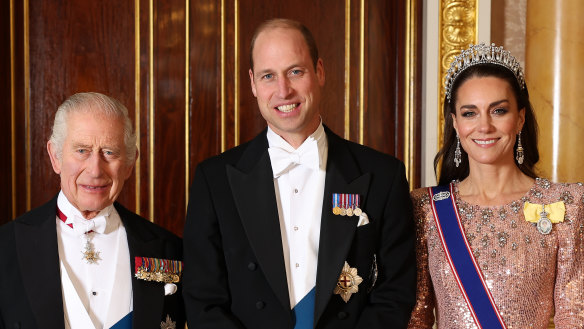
<point x="336" y="232"/>
<point x="147" y="296"/>
<point x="252" y="185"/>
<point x="38" y="259"/>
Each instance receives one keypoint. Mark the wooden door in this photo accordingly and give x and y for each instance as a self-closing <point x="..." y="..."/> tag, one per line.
<point x="181" y="69"/>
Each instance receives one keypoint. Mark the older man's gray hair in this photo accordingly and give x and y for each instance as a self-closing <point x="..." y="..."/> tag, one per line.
<point x="97" y="103"/>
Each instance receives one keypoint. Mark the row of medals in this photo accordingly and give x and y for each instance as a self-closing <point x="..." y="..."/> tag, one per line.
<point x="158" y="276"/>
<point x="347" y="211"/>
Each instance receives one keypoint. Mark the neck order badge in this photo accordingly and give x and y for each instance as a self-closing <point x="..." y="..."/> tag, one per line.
<point x="90" y="255"/>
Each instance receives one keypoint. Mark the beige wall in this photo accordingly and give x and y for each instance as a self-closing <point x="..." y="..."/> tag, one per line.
<point x="431" y="78"/>
<point x="508" y="18"/>
<point x="554" y="70"/>
<point x="546" y="38"/>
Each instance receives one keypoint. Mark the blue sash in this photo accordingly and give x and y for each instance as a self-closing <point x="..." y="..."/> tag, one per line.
<point x="304" y="311"/>
<point x="124" y="323"/>
<point x="461" y="259"/>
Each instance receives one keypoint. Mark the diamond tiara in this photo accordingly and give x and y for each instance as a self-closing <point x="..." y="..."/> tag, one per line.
<point x="481" y="54"/>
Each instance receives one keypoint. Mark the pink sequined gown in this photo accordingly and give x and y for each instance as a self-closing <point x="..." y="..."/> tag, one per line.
<point x="529" y="274"/>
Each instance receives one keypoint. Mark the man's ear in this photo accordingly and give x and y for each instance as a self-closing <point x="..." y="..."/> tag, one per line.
<point x="320" y="72"/>
<point x="55" y="161"/>
<point x="253" y="86"/>
<point x="131" y="165"/>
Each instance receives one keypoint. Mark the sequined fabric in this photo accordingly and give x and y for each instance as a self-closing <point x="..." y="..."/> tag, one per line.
<point x="525" y="270"/>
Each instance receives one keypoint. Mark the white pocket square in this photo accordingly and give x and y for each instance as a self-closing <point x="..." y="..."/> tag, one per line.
<point x="363" y="219"/>
<point x="169" y="289"/>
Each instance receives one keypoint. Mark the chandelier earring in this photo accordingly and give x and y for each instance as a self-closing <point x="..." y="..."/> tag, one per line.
<point x="458" y="153"/>
<point x="519" y="153"/>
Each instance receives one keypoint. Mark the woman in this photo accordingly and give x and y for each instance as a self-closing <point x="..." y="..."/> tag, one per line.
<point x="497" y="247"/>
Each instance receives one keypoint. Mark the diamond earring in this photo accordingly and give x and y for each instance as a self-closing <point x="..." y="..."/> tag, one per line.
<point x="457" y="153"/>
<point x="519" y="156"/>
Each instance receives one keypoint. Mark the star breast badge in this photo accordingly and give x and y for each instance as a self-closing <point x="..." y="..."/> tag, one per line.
<point x="168" y="324"/>
<point x="348" y="283"/>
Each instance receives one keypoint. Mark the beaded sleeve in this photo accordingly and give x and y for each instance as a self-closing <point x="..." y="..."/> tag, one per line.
<point x="569" y="283"/>
<point x="423" y="313"/>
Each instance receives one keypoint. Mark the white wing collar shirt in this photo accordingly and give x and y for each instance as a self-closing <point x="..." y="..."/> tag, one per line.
<point x="299" y="177"/>
<point x="95" y="295"/>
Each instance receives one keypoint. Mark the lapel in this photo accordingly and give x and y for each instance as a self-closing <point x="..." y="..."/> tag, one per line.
<point x="336" y="232"/>
<point x="147" y="297"/>
<point x="38" y="259"/>
<point x="259" y="213"/>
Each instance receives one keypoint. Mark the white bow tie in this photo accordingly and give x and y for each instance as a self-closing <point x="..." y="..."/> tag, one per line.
<point x="82" y="225"/>
<point x="282" y="160"/>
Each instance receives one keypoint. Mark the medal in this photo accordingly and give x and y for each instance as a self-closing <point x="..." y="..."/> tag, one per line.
<point x="336" y="208"/>
<point x="346" y="204"/>
<point x="90" y="255"/>
<point x="157" y="269"/>
<point x="357" y="211"/>
<point x="544" y="216"/>
<point x="350" y="197"/>
<point x="343" y="204"/>
<point x="544" y="224"/>
<point x="348" y="283"/>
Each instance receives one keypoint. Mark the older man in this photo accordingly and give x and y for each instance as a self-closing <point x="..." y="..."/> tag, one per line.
<point x="297" y="228"/>
<point x="82" y="260"/>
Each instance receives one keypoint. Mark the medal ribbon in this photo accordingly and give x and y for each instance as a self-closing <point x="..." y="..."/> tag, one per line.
<point x="150" y="264"/>
<point x="556" y="211"/>
<point x="63" y="217"/>
<point x="462" y="262"/>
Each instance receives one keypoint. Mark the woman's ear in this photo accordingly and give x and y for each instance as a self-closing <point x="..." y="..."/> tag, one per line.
<point x="521" y="120"/>
<point x="454" y="123"/>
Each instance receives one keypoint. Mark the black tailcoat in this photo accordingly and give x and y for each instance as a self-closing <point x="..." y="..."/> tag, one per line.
<point x="235" y="276"/>
<point x="30" y="279"/>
